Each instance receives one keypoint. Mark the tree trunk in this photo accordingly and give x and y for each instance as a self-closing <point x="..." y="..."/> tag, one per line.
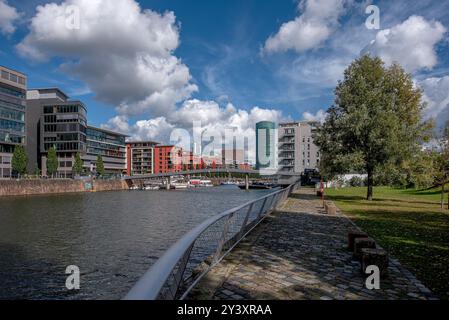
<point x="442" y="196"/>
<point x="369" y="195"/>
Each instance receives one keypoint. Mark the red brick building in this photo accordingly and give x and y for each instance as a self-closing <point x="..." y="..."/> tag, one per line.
<point x="167" y="159"/>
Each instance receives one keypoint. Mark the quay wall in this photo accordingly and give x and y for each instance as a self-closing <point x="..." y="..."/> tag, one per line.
<point x="34" y="187"/>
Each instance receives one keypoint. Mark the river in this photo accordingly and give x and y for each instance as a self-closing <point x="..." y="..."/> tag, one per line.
<point x="113" y="237"/>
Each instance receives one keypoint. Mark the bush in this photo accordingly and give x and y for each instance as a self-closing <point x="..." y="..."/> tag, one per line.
<point x="357" y="182"/>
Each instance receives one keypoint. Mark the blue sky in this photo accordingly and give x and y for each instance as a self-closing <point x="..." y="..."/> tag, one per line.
<point x="219" y="62"/>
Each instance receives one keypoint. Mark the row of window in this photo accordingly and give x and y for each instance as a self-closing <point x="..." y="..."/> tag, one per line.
<point x="12" y="125"/>
<point x="13" y="77"/>
<point x="12" y="92"/>
<point x="11" y="103"/>
<point x="104" y="137"/>
<point x="65" y="109"/>
<point x="68" y="127"/>
<point x="5" y="160"/>
<point x="65" y="146"/>
<point x="11" y="114"/>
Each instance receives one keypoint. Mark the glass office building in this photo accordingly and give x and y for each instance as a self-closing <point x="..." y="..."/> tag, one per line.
<point x="110" y="146"/>
<point x="63" y="125"/>
<point x="12" y="116"/>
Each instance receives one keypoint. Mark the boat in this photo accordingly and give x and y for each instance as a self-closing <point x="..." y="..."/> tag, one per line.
<point x="151" y="187"/>
<point x="206" y="183"/>
<point x="228" y="183"/>
<point x="179" y="186"/>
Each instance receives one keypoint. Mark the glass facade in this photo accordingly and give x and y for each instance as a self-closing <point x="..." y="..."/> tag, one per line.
<point x="110" y="146"/>
<point x="265" y="145"/>
<point x="12" y="117"/>
<point x="64" y="127"/>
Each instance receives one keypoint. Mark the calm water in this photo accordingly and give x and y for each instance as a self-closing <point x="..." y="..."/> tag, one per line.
<point x="113" y="237"/>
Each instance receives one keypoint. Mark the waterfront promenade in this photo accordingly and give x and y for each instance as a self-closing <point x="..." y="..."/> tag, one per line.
<point x="300" y="253"/>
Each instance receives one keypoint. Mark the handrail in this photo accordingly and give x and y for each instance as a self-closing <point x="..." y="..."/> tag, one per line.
<point x="153" y="281"/>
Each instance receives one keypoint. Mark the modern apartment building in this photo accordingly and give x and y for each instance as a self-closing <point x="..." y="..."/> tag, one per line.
<point x="167" y="159"/>
<point x="110" y="146"/>
<point x="296" y="149"/>
<point x="12" y="116"/>
<point x="140" y="157"/>
<point x="266" y="145"/>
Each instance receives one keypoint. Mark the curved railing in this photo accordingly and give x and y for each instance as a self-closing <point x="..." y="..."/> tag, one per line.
<point x="176" y="273"/>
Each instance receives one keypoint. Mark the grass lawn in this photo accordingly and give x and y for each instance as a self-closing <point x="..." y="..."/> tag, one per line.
<point x="409" y="224"/>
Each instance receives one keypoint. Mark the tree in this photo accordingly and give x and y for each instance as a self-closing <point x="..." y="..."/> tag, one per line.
<point x="442" y="162"/>
<point x="375" y="120"/>
<point x="19" y="160"/>
<point x="78" y="164"/>
<point x="52" y="162"/>
<point x="100" y="166"/>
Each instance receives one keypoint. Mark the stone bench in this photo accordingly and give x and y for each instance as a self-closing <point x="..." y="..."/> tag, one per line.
<point x="354" y="234"/>
<point x="362" y="243"/>
<point x="377" y="257"/>
<point x="330" y="207"/>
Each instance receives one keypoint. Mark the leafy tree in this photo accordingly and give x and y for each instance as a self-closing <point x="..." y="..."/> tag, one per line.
<point x="19" y="160"/>
<point x="52" y="162"/>
<point x="100" y="166"/>
<point x="78" y="165"/>
<point x="37" y="171"/>
<point x="375" y="120"/>
<point x="442" y="162"/>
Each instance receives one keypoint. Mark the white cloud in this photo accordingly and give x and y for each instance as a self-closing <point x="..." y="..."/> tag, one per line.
<point x="123" y="53"/>
<point x="436" y="94"/>
<point x="317" y="22"/>
<point x="214" y="120"/>
<point x="319" y="116"/>
<point x="410" y="43"/>
<point x="8" y="16"/>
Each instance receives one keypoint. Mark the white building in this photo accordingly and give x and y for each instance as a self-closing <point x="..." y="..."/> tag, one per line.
<point x="296" y="149"/>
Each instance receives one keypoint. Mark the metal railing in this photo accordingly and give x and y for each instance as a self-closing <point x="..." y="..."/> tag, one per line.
<point x="177" y="272"/>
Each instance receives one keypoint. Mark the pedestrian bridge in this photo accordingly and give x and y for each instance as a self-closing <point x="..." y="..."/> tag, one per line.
<point x="263" y="173"/>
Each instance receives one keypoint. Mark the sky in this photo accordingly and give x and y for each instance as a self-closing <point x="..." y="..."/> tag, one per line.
<point x="147" y="67"/>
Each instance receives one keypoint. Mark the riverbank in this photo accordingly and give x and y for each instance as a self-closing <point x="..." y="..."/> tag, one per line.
<point x="300" y="253"/>
<point x="57" y="186"/>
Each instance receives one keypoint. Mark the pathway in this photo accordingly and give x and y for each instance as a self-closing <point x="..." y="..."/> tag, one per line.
<point x="300" y="253"/>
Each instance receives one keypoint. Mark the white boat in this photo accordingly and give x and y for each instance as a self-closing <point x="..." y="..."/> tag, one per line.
<point x="152" y="187"/>
<point x="206" y="183"/>
<point x="179" y="185"/>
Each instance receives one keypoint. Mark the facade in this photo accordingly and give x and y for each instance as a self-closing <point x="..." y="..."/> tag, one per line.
<point x="59" y="123"/>
<point x="110" y="146"/>
<point x="167" y="159"/>
<point x="140" y="157"/>
<point x="36" y="99"/>
<point x="266" y="145"/>
<point x="297" y="151"/>
<point x="12" y="116"/>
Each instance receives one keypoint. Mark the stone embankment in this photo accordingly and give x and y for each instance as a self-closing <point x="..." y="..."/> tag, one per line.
<point x="33" y="187"/>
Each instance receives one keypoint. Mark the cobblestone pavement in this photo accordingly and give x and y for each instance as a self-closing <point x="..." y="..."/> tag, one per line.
<point x="300" y="253"/>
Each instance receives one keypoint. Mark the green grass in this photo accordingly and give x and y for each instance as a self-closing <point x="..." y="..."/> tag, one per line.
<point x="409" y="224"/>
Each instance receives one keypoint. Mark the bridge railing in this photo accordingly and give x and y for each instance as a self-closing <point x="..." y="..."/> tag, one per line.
<point x="177" y="272"/>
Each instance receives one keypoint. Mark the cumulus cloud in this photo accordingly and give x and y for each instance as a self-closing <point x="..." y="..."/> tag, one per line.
<point x="319" y="116"/>
<point x="317" y="22"/>
<point x="215" y="120"/>
<point x="410" y="43"/>
<point x="8" y="16"/>
<point x="436" y="94"/>
<point x="123" y="53"/>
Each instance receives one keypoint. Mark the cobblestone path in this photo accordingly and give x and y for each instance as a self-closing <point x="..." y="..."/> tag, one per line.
<point x="300" y="253"/>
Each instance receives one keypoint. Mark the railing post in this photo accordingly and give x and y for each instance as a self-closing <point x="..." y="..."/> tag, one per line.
<point x="261" y="208"/>
<point x="178" y="277"/>
<point x="222" y="239"/>
<point x="245" y="221"/>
